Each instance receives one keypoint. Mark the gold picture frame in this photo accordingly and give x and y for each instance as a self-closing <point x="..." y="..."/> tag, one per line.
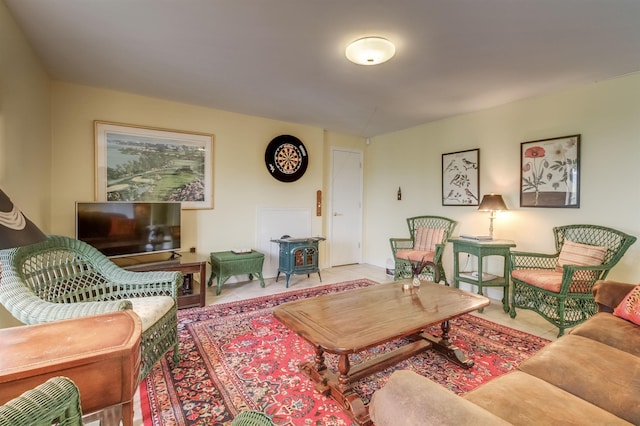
<point x="140" y="163"/>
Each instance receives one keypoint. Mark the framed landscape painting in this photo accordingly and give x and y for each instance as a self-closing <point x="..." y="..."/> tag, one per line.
<point x="137" y="163"/>
<point x="550" y="172"/>
<point x="460" y="178"/>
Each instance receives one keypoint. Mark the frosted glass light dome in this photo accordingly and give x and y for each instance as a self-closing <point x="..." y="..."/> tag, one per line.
<point x="370" y="51"/>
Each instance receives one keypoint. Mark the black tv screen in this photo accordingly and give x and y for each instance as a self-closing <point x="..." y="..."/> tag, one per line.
<point x="129" y="228"/>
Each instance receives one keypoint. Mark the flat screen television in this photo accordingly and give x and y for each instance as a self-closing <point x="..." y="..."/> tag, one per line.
<point x="129" y="228"/>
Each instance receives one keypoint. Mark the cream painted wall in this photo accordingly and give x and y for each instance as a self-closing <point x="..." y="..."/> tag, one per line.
<point x="25" y="147"/>
<point x="241" y="180"/>
<point x="36" y="114"/>
<point x="604" y="113"/>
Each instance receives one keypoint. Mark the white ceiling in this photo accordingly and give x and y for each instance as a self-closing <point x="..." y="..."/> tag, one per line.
<point x="284" y="59"/>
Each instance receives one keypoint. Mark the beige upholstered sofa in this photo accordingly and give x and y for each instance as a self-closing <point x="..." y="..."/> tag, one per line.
<point x="590" y="376"/>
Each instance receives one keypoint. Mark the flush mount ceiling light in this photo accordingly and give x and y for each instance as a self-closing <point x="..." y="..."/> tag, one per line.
<point x="370" y="51"/>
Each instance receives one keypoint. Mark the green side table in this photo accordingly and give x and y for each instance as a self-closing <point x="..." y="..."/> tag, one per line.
<point x="482" y="249"/>
<point x="225" y="264"/>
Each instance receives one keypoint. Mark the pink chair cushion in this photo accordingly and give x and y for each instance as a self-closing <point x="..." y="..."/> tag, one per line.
<point x="580" y="254"/>
<point x="547" y="279"/>
<point x="427" y="238"/>
<point x="550" y="279"/>
<point x="415" y="255"/>
<point x="629" y="307"/>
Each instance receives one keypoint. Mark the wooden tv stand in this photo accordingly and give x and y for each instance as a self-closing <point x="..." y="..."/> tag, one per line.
<point x="193" y="291"/>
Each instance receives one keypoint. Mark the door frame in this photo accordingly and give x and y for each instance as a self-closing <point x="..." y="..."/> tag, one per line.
<point x="360" y="152"/>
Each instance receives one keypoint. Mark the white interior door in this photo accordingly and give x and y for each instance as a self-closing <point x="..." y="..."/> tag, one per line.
<point x="346" y="206"/>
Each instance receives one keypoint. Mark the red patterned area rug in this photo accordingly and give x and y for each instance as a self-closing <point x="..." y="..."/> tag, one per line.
<point x="237" y="356"/>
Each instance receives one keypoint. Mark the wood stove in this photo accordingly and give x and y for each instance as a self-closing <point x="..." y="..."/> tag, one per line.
<point x="298" y="256"/>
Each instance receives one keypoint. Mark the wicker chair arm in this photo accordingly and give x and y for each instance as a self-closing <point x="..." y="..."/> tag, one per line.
<point x="138" y="284"/>
<point x="439" y="253"/>
<point x="400" y="244"/>
<point x="581" y="279"/>
<point x="57" y="398"/>
<point x="142" y="284"/>
<point x="33" y="310"/>
<point x="576" y="268"/>
<point x="529" y="260"/>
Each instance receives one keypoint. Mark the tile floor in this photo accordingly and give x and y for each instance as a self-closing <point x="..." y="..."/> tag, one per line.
<point x="233" y="291"/>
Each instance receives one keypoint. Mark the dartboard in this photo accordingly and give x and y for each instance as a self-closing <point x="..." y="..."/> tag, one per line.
<point x="286" y="158"/>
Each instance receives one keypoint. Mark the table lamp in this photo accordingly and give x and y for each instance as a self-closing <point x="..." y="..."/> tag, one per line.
<point x="492" y="203"/>
<point x="15" y="229"/>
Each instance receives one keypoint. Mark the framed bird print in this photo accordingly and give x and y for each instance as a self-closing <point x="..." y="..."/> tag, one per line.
<point x="461" y="178"/>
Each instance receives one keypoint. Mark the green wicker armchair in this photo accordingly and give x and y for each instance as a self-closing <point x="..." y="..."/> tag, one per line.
<point x="429" y="236"/>
<point x="62" y="278"/>
<point x="55" y="401"/>
<point x="559" y="286"/>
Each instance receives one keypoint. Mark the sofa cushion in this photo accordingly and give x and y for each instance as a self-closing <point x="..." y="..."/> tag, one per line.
<point x="611" y="330"/>
<point x="522" y="399"/>
<point x="573" y="253"/>
<point x="629" y="307"/>
<point x="151" y="309"/>
<point x="409" y="399"/>
<point x="598" y="373"/>
<point x="608" y="294"/>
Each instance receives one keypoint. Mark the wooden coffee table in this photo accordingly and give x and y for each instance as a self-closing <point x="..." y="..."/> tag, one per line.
<point x="353" y="321"/>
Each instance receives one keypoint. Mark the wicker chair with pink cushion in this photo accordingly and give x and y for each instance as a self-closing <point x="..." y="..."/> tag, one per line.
<point x="429" y="235"/>
<point x="559" y="286"/>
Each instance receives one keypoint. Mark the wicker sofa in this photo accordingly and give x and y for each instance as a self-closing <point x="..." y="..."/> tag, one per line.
<point x="590" y="376"/>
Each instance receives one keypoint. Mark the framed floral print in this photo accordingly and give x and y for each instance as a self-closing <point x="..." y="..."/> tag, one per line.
<point x="460" y="178"/>
<point x="550" y="172"/>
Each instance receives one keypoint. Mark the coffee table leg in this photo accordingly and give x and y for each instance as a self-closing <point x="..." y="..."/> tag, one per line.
<point x="445" y="327"/>
<point x="343" y="367"/>
<point x="444" y="346"/>
<point x="337" y="386"/>
<point x="319" y="360"/>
